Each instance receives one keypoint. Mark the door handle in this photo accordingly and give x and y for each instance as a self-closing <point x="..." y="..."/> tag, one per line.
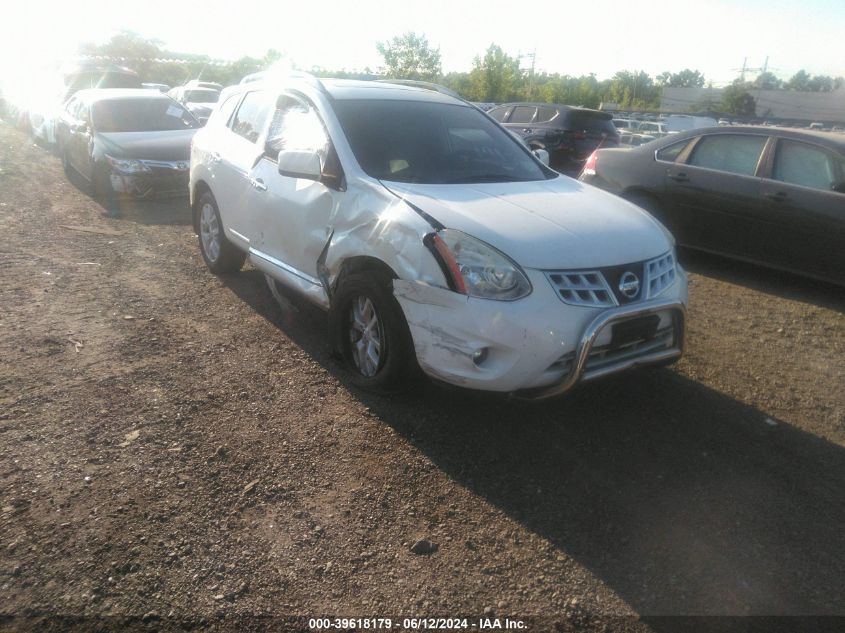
<point x="778" y="196"/>
<point x="258" y="184"/>
<point x="681" y="177"/>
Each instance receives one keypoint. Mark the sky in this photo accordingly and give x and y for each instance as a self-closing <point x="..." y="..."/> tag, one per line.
<point x="575" y="38"/>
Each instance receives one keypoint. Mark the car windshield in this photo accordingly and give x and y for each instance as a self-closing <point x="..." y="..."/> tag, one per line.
<point x="141" y="115"/>
<point x="202" y="96"/>
<point x="432" y="143"/>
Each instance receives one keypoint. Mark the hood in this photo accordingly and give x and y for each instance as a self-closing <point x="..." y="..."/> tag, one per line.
<point x="165" y="145"/>
<point x="559" y="223"/>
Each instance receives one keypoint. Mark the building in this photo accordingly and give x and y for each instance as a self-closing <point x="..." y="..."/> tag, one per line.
<point x="827" y="107"/>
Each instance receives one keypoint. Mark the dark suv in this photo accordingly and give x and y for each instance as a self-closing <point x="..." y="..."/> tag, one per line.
<point x="569" y="134"/>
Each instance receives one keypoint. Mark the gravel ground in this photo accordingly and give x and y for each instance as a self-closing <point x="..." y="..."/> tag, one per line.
<point x="175" y="449"/>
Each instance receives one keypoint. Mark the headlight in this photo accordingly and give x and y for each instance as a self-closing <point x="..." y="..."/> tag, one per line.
<point x="476" y="268"/>
<point x="126" y="165"/>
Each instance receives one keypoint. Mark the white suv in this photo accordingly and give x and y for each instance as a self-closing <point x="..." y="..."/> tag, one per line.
<point x="433" y="237"/>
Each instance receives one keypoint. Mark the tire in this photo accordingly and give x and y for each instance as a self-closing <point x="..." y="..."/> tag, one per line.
<point x="65" y="161"/>
<point x="371" y="333"/>
<point x="220" y="255"/>
<point x="102" y="189"/>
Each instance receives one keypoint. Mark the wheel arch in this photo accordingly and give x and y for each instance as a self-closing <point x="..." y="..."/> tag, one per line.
<point x="359" y="264"/>
<point x="200" y="187"/>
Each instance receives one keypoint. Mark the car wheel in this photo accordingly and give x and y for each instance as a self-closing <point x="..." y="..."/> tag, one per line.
<point x="65" y="161"/>
<point x="220" y="255"/>
<point x="103" y="191"/>
<point x="371" y="332"/>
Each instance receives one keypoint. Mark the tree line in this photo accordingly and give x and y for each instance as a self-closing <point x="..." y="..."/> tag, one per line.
<point x="495" y="75"/>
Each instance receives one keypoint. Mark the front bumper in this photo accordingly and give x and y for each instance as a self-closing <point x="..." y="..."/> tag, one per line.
<point x="536" y="347"/>
<point x="163" y="179"/>
<point x="579" y="369"/>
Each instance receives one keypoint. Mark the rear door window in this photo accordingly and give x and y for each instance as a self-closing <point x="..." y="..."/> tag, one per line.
<point x="251" y="116"/>
<point x="523" y="114"/>
<point x="735" y="154"/>
<point x="807" y="165"/>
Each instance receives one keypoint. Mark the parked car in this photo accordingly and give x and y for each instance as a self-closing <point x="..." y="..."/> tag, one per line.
<point x="634" y="140"/>
<point x="46" y="107"/>
<point x="153" y="86"/>
<point x="775" y="196"/>
<point x="433" y="237"/>
<point x="653" y="129"/>
<point x="198" y="83"/>
<point x="569" y="134"/>
<point x="127" y="142"/>
<point x="626" y="125"/>
<point x="200" y="101"/>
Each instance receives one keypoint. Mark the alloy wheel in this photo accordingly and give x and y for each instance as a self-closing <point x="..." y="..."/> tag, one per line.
<point x="366" y="335"/>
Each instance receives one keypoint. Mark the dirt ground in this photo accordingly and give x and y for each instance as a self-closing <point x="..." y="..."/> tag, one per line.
<point x="176" y="449"/>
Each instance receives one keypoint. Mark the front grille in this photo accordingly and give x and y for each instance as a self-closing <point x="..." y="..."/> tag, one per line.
<point x="660" y="274"/>
<point x="582" y="288"/>
<point x="600" y="288"/>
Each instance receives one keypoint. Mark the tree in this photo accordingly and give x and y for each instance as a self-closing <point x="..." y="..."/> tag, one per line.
<point x="409" y="56"/>
<point x="685" y="79"/>
<point x="633" y="90"/>
<point x="496" y="77"/>
<point x="799" y="81"/>
<point x="820" y="83"/>
<point x="767" y="81"/>
<point x="737" y="100"/>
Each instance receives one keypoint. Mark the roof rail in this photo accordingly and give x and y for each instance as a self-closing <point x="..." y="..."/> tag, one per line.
<point x="270" y="75"/>
<point x="427" y="85"/>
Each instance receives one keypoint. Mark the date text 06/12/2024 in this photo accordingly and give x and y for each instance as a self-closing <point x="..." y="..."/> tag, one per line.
<point x="416" y="624"/>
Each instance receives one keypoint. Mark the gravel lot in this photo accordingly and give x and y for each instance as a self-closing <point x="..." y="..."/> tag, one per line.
<point x="175" y="449"/>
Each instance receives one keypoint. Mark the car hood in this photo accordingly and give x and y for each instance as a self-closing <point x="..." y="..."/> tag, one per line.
<point x="166" y="145"/>
<point x="559" y="223"/>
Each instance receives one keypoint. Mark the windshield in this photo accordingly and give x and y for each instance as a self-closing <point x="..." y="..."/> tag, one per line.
<point x="141" y="115"/>
<point x="432" y="143"/>
<point x="202" y="96"/>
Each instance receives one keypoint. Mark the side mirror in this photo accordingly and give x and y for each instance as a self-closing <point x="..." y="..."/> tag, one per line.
<point x="543" y="155"/>
<point x="300" y="164"/>
<point x="839" y="187"/>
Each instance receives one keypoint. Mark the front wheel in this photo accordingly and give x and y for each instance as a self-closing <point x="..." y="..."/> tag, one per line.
<point x="220" y="255"/>
<point x="371" y="332"/>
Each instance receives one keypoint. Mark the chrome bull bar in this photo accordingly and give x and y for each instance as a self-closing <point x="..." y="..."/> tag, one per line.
<point x="588" y="338"/>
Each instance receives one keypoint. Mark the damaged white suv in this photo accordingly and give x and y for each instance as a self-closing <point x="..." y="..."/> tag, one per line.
<point x="433" y="237"/>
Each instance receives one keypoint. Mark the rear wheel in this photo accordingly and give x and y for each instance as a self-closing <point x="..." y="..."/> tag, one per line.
<point x="371" y="332"/>
<point x="220" y="255"/>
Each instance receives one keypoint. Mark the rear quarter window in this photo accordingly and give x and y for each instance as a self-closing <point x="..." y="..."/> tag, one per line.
<point x="671" y="152"/>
